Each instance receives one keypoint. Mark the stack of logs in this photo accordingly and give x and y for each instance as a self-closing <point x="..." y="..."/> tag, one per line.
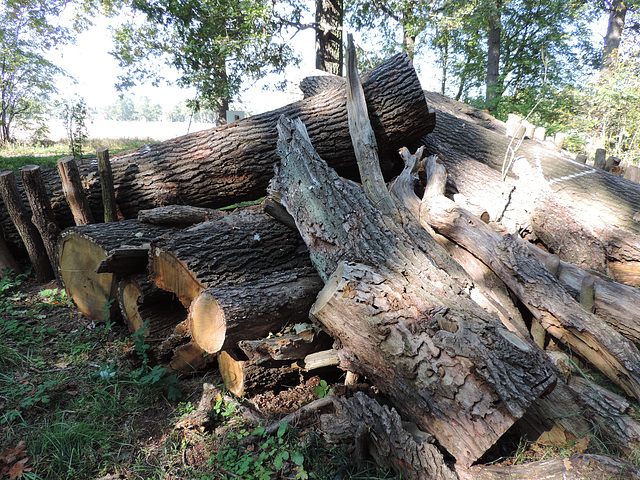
<point x="412" y="286"/>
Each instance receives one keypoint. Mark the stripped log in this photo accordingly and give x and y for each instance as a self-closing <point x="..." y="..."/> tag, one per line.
<point x="557" y="311"/>
<point x="22" y="222"/>
<point x="42" y="213"/>
<point x="82" y="248"/>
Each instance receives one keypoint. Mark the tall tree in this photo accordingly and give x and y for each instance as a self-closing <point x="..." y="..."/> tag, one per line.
<point x="329" y="19"/>
<point x="494" y="33"/>
<point x="214" y="44"/>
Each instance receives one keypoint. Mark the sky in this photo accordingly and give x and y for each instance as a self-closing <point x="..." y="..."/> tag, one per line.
<point x="96" y="72"/>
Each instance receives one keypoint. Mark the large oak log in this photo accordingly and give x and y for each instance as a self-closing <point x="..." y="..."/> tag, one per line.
<point x="406" y="324"/>
<point x="223" y="166"/>
<point x="244" y="246"/>
<point x="598" y="205"/>
<point x="80" y="251"/>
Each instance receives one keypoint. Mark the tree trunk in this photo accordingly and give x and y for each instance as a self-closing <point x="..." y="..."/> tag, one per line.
<point x="494" y="33"/>
<point x="329" y="15"/>
<point x="222" y="316"/>
<point x="612" y="39"/>
<point x="234" y="163"/>
<point x="599" y="205"/>
<point x="74" y="192"/>
<point x="244" y="246"/>
<point x="80" y="251"/>
<point x="428" y="348"/>
<point x="17" y="212"/>
<point x="178" y="215"/>
<point x="106" y="185"/>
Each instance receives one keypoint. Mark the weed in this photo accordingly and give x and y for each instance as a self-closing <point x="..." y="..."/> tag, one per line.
<point x="322" y="390"/>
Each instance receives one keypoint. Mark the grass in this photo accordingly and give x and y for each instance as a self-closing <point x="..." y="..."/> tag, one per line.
<point x="14" y="156"/>
<point x="79" y="401"/>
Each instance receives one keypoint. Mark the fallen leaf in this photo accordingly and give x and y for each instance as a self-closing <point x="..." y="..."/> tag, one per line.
<point x="17" y="469"/>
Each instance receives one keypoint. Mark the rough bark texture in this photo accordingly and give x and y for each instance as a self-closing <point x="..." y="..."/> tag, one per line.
<point x="106" y="185"/>
<point x="558" y="313"/>
<point x="22" y="222"/>
<point x="246" y="245"/>
<point x="42" y="214"/>
<point x="178" y="215"/>
<point x="74" y="191"/>
<point x="601" y="204"/>
<point x="382" y="434"/>
<point x="426" y="348"/>
<point x="82" y="248"/>
<point x="220" y="317"/>
<point x="223" y="166"/>
<point x="7" y="260"/>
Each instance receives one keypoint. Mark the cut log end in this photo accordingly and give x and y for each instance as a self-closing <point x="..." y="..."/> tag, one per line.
<point x="172" y="275"/>
<point x="207" y="323"/>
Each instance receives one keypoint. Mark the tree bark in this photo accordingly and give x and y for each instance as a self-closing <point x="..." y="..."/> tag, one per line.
<point x="244" y="246"/>
<point x="493" y="55"/>
<point x="80" y="251"/>
<point x="106" y="185"/>
<point x="178" y="215"/>
<point x="7" y="260"/>
<point x="424" y="348"/>
<point x="74" y="191"/>
<point x="42" y="214"/>
<point x="612" y="39"/>
<point x="601" y="205"/>
<point x="22" y="222"/>
<point x="222" y="316"/>
<point x="329" y="14"/>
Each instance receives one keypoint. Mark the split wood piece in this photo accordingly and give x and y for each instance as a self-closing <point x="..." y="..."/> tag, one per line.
<point x="233" y="163"/>
<point x="612" y="416"/>
<point x="294" y="346"/>
<point x="378" y="431"/>
<point x="106" y="185"/>
<point x="220" y="317"/>
<point x="178" y="215"/>
<point x="616" y="303"/>
<point x="324" y="358"/>
<point x="576" y="467"/>
<point x="22" y="222"/>
<point x="80" y="251"/>
<point x="143" y="305"/>
<point x="128" y="259"/>
<point x="407" y="324"/>
<point x="555" y="309"/>
<point x="74" y="192"/>
<point x="240" y="247"/>
<point x="190" y="358"/>
<point x="490" y="292"/>
<point x="599" y="202"/>
<point x="42" y="213"/>
<point x="241" y="377"/>
<point x="7" y="260"/>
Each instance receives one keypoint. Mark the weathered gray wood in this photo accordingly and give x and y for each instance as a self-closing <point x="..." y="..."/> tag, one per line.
<point x="178" y="215"/>
<point x="292" y="346"/>
<point x="106" y="185"/>
<point x="22" y="221"/>
<point x="600" y="158"/>
<point x="73" y="191"/>
<point x="406" y="343"/>
<point x="42" y="213"/>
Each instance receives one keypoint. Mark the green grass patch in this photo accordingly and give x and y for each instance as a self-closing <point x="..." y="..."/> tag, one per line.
<point x="14" y="156"/>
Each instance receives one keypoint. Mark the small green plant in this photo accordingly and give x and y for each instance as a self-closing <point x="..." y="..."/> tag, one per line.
<point x="322" y="390"/>
<point x="75" y="116"/>
<point x="106" y="313"/>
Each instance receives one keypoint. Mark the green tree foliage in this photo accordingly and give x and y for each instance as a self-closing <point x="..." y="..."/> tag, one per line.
<point x="28" y="29"/>
<point x="214" y="44"/>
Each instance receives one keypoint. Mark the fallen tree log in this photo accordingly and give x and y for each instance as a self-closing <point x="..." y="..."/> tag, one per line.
<point x="220" y="317"/>
<point x="601" y="205"/>
<point x="80" y="251"/>
<point x="425" y="347"/>
<point x="560" y="315"/>
<point x="233" y="163"/>
<point x="244" y="246"/>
